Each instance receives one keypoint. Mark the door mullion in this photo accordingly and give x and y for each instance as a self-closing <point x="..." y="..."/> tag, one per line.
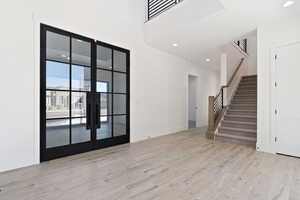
<point x="128" y="95"/>
<point x="43" y="44"/>
<point x="93" y="89"/>
<point x="112" y="91"/>
<point x="70" y="89"/>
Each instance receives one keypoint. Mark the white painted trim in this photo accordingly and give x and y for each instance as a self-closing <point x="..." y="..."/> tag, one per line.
<point x="36" y="46"/>
<point x="274" y="96"/>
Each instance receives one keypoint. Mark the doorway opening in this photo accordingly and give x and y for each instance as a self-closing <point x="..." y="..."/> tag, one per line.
<point x="192" y="101"/>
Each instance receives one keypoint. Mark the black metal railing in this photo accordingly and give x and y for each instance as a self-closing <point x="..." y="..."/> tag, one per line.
<point x="242" y="44"/>
<point x="156" y="7"/>
<point x="218" y="103"/>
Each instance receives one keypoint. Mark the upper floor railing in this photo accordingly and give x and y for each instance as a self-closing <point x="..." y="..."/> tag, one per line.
<point x="156" y="7"/>
<point x="242" y="44"/>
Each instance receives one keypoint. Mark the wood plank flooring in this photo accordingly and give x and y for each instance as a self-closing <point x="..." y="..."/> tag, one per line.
<point x="182" y="166"/>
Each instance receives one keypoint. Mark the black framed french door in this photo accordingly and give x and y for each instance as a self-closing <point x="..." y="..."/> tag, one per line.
<point x="84" y="94"/>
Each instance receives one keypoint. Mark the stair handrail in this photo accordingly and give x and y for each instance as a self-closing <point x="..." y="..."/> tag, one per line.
<point x="234" y="74"/>
<point x="216" y="108"/>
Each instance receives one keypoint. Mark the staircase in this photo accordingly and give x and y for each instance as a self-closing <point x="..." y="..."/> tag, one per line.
<point x="239" y="124"/>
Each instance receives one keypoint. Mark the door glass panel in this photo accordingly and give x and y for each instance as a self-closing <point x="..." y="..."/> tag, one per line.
<point x="120" y="125"/>
<point x="81" y="78"/>
<point x="57" y="133"/>
<point x="58" y="47"/>
<point x="104" y="82"/>
<point x="58" y="75"/>
<point x="78" y="104"/>
<point x="81" y="52"/>
<point x="69" y="79"/>
<point x="105" y="131"/>
<point x="119" y="82"/>
<point x="119" y="104"/>
<point x="106" y="105"/>
<point x="79" y="131"/>
<point x="104" y="57"/>
<point x="57" y="104"/>
<point x="120" y="61"/>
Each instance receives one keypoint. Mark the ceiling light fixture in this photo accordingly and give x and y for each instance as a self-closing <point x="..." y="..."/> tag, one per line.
<point x="207" y="59"/>
<point x="288" y="4"/>
<point x="79" y="40"/>
<point x="175" y="45"/>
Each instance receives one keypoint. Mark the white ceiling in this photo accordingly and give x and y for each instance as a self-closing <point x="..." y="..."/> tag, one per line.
<point x="202" y="27"/>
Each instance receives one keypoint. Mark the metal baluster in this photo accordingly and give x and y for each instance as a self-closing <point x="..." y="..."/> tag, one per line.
<point x="222" y="98"/>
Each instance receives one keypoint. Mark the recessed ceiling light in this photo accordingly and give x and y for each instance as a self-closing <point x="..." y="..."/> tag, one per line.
<point x="207" y="59"/>
<point x="288" y="4"/>
<point x="175" y="45"/>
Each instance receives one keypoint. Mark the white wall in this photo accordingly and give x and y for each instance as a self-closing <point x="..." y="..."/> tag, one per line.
<point x="252" y="54"/>
<point x="17" y="82"/>
<point x="230" y="59"/>
<point x="271" y="36"/>
<point x="208" y="85"/>
<point x="158" y="80"/>
<point x="234" y="56"/>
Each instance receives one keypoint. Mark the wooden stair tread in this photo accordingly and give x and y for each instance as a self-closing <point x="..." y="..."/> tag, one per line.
<point x="242" y="116"/>
<point x="240" y="122"/>
<point x="239" y="110"/>
<point x="239" y="129"/>
<point x="238" y="137"/>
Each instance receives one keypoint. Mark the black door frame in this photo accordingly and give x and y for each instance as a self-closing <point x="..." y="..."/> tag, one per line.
<point x="71" y="149"/>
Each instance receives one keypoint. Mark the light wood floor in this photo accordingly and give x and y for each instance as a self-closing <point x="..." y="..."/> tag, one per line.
<point x="183" y="166"/>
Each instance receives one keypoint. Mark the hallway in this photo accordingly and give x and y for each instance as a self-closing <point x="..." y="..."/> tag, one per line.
<point x="180" y="166"/>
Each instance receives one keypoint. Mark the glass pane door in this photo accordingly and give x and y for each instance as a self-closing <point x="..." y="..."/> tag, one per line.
<point x="112" y="76"/>
<point x="57" y="90"/>
<point x="84" y="94"/>
<point x="81" y="85"/>
<point x="68" y="80"/>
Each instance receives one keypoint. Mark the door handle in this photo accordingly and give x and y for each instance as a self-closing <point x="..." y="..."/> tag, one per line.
<point x="98" y="110"/>
<point x="97" y="118"/>
<point x="88" y="111"/>
<point x="88" y="116"/>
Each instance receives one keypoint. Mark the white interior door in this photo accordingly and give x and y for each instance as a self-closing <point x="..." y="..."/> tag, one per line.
<point x="192" y="101"/>
<point x="288" y="99"/>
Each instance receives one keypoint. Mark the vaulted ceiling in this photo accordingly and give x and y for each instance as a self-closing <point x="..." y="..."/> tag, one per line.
<point x="201" y="27"/>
